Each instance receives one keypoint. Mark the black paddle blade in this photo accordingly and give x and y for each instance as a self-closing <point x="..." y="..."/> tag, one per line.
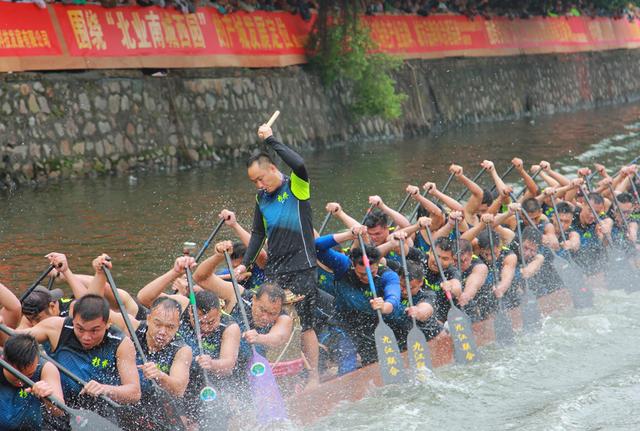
<point x="465" y="349"/>
<point x="503" y="327"/>
<point x="389" y="359"/>
<point x="419" y="354"/>
<point x="573" y="279"/>
<point x="87" y="420"/>
<point x="531" y="319"/>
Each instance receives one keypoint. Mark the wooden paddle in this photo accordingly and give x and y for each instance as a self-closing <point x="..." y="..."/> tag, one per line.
<point x="502" y="325"/>
<point x="417" y="346"/>
<point x="571" y="274"/>
<point x="273" y="118"/>
<point x="79" y="419"/>
<point x="465" y="348"/>
<point x="267" y="398"/>
<point x="531" y="318"/>
<point x="207" y="243"/>
<point x="173" y="412"/>
<point x="389" y="359"/>
<point x="37" y="282"/>
<point x="208" y="394"/>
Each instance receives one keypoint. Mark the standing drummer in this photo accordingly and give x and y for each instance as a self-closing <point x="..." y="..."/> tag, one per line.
<point x="283" y="216"/>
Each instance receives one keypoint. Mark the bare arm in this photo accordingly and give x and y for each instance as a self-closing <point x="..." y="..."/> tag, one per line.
<point x="230" y="220"/>
<point x="207" y="279"/>
<point x="532" y="267"/>
<point x="176" y="381"/>
<point x="450" y="202"/>
<point x="11" y="307"/>
<point x="128" y="391"/>
<point x="226" y="362"/>
<point x="473" y="283"/>
<point x="156" y="287"/>
<point x="279" y="333"/>
<point x="507" y="274"/>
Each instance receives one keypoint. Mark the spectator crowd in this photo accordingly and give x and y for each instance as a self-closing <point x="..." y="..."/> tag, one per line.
<point x="629" y="9"/>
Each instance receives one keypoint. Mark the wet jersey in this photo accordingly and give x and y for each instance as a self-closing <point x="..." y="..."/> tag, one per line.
<point x="591" y="254"/>
<point x="546" y="280"/>
<point x="98" y="363"/>
<point x="19" y="410"/>
<point x="402" y="324"/>
<point x="433" y="281"/>
<point x="284" y="218"/>
<point x="483" y="302"/>
<point x="510" y="298"/>
<point x="351" y="295"/>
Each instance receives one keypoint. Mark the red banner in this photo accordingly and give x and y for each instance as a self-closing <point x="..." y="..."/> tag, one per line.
<point x="135" y="31"/>
<point x="26" y="30"/>
<point x="451" y="35"/>
<point x="86" y="37"/>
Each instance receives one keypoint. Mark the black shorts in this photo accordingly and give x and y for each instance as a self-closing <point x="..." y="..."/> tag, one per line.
<point x="303" y="282"/>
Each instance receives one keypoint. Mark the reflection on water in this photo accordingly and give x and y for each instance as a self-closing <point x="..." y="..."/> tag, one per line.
<point x="143" y="223"/>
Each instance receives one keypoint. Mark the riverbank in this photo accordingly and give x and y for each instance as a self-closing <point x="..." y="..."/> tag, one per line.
<point x="61" y="125"/>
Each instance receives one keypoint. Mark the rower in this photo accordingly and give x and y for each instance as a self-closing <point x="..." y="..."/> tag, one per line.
<point x="220" y="335"/>
<point x="93" y="350"/>
<point x="423" y="307"/>
<point x="256" y="269"/>
<point x="539" y="270"/>
<point x="572" y="245"/>
<point x="473" y="277"/>
<point x="505" y="264"/>
<point x="41" y="304"/>
<point x="356" y="310"/>
<point x="444" y="248"/>
<point x="270" y="326"/>
<point x="20" y="408"/>
<point x="591" y="256"/>
<point x="283" y="216"/>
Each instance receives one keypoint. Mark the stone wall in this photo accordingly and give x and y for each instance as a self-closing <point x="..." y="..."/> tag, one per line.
<point x="75" y="124"/>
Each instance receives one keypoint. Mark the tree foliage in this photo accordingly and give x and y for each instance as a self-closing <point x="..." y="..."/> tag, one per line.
<point x="341" y="47"/>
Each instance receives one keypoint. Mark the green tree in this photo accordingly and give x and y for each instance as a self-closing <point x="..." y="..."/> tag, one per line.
<point x="341" y="47"/>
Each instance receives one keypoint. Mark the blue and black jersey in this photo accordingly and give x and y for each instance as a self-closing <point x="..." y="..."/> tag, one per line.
<point x="19" y="410"/>
<point x="284" y="217"/>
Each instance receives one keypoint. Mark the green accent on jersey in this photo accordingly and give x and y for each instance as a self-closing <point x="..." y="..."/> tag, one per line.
<point x="300" y="188"/>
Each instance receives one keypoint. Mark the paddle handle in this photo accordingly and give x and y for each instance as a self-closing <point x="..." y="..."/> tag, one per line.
<point x="494" y="278"/>
<point x="273" y="118"/>
<point x="236" y="289"/>
<point x="414" y="213"/>
<point x="367" y="265"/>
<point x="557" y="216"/>
<point x="27" y="381"/>
<point x="125" y="315"/>
<point x="407" y="281"/>
<point x="37" y="282"/>
<point x="446" y="184"/>
<point x="207" y="243"/>
<point x="457" y="231"/>
<point x="324" y="223"/>
<point x="438" y="263"/>
<point x="404" y="202"/>
<point x="194" y="309"/>
<point x="520" y="245"/>
<point x="617" y="205"/>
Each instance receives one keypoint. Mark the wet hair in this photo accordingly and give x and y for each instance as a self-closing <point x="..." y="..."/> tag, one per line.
<point x="488" y="196"/>
<point x="261" y="158"/>
<point x="376" y="218"/>
<point x="422" y="212"/>
<point x="91" y="307"/>
<point x="21" y="350"/>
<point x="533" y="235"/>
<point x="445" y="244"/>
<point x="465" y="246"/>
<point x="207" y="301"/>
<point x="564" y="208"/>
<point x="274" y="292"/>
<point x="531" y="205"/>
<point x="414" y="269"/>
<point x="596" y="198"/>
<point x="372" y="253"/>
<point x="483" y="239"/>
<point x="238" y="250"/>
<point x="625" y="198"/>
<point x="166" y="303"/>
<point x="35" y="303"/>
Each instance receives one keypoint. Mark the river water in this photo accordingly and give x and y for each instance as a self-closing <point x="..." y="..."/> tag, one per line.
<point x="580" y="372"/>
